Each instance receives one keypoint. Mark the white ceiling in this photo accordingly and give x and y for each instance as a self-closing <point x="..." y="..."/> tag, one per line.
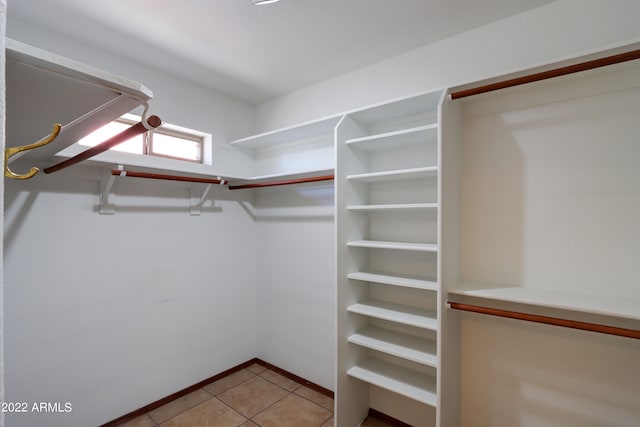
<point x="259" y="52"/>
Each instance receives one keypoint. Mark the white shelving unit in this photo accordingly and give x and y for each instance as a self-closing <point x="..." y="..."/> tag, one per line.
<point x="387" y="214"/>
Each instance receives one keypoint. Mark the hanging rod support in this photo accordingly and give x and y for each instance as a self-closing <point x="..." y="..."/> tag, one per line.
<point x="197" y="199"/>
<point x="107" y="206"/>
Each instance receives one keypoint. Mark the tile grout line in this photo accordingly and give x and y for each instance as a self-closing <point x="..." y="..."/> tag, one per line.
<point x="157" y="424"/>
<point x="270" y="406"/>
<point x="233" y="409"/>
<point x="289" y="393"/>
<point x="236" y="385"/>
<point x="293" y="392"/>
<point x="256" y="368"/>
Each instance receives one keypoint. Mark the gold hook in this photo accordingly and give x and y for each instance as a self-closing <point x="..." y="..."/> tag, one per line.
<point x="9" y="152"/>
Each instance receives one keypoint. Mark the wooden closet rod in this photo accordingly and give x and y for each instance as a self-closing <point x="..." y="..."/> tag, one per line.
<point x="585" y="326"/>
<point x="286" y="182"/>
<point x="135" y="130"/>
<point x="119" y="172"/>
<point x="543" y="75"/>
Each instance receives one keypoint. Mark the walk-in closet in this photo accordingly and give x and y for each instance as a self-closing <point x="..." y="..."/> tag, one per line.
<point x="314" y="214"/>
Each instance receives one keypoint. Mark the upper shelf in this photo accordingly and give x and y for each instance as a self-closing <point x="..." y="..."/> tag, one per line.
<point x="393" y="110"/>
<point x="288" y="135"/>
<point x="44" y="88"/>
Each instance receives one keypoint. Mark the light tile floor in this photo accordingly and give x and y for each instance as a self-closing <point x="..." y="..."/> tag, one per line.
<point x="255" y="396"/>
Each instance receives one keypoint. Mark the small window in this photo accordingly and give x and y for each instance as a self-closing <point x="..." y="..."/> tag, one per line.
<point x="133" y="145"/>
<point x="166" y="141"/>
<point x="176" y="145"/>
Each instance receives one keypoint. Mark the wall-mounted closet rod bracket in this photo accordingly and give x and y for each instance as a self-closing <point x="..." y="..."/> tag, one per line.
<point x="12" y="151"/>
<point x="107" y="207"/>
<point x="198" y="198"/>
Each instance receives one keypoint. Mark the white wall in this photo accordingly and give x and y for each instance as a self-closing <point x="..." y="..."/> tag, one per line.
<point x="560" y="30"/>
<point x="111" y="313"/>
<point x="517" y="373"/>
<point x="295" y="241"/>
<point x="3" y="17"/>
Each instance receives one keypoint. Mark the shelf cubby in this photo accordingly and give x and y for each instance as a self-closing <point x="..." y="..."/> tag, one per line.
<point x="400" y="380"/>
<point x="404" y="346"/>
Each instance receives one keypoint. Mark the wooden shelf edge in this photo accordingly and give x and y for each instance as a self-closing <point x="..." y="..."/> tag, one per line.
<point x="574" y="324"/>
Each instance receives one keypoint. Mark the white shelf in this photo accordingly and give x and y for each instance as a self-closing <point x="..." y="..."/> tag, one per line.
<point x="383" y="141"/>
<point x="386" y="279"/>
<point x="573" y="301"/>
<point x="290" y="134"/>
<point x="401" y="107"/>
<point x="396" y="175"/>
<point x="415" y="349"/>
<point x="398" y="313"/>
<point x="406" y="382"/>
<point x="393" y="207"/>
<point x="79" y="97"/>
<point x="406" y="246"/>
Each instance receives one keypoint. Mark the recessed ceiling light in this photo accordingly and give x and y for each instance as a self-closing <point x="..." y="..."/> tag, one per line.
<point x="261" y="2"/>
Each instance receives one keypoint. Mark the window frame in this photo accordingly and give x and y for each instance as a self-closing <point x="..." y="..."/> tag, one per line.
<point x="202" y="138"/>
